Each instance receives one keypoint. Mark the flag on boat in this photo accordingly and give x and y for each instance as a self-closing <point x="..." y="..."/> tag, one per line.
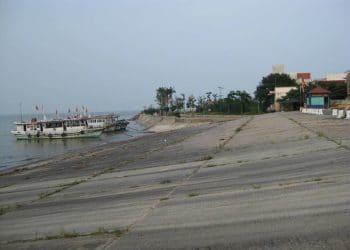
<point x="36" y="108"/>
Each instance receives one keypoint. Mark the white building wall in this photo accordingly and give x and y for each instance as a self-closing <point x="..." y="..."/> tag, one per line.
<point x="335" y="76"/>
<point x="279" y="93"/>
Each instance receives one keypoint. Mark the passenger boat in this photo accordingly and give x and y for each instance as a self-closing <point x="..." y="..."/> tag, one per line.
<point x="104" y="122"/>
<point x="109" y="122"/>
<point x="55" y="129"/>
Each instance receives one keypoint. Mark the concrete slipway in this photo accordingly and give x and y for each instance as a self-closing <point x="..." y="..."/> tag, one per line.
<point x="274" y="181"/>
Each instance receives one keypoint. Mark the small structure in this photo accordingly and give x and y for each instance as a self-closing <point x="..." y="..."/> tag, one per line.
<point x="318" y="98"/>
<point x="279" y="93"/>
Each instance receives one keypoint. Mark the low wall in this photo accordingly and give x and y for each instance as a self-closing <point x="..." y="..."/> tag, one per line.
<point x="337" y="113"/>
<point x="313" y="111"/>
<point x="341" y="113"/>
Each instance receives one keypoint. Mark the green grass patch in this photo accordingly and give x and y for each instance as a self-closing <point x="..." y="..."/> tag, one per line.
<point x="70" y="234"/>
<point x="5" y="186"/>
<point x="70" y="184"/>
<point x="206" y="158"/>
<point x="165" y="182"/>
<point x="74" y="234"/>
<point x="99" y="231"/>
<point x="193" y="194"/>
<point x="320" y="134"/>
<point x="5" y="209"/>
<point x="118" y="232"/>
<point x="211" y="166"/>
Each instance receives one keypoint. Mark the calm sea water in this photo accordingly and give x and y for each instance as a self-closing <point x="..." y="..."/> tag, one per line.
<point x="17" y="152"/>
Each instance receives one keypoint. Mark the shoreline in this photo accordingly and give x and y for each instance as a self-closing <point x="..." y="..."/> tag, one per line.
<point x="147" y="121"/>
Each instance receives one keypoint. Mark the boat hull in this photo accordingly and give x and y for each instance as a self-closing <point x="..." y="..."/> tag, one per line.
<point x="82" y="134"/>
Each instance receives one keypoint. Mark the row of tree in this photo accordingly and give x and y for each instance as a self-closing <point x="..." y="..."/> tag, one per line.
<point x="236" y="102"/>
<point x="239" y="102"/>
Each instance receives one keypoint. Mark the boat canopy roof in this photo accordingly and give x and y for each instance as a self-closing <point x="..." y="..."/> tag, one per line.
<point x="55" y="120"/>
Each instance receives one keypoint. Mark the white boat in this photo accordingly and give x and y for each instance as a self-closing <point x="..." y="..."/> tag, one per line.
<point x="108" y="123"/>
<point x="105" y="122"/>
<point x="55" y="129"/>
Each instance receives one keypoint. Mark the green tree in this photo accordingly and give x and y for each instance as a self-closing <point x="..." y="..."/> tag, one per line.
<point x="242" y="97"/>
<point x="347" y="80"/>
<point x="264" y="91"/>
<point x="200" y="104"/>
<point x="338" y="91"/>
<point x="179" y="103"/>
<point x="191" y="102"/>
<point x="292" y="99"/>
<point x="164" y="98"/>
<point x="208" y="95"/>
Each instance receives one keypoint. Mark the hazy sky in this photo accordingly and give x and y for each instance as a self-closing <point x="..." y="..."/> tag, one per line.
<point x="112" y="55"/>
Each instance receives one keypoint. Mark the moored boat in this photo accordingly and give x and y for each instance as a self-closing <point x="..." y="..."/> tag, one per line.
<point x="55" y="129"/>
<point x="104" y="122"/>
<point x="121" y="124"/>
<point x="109" y="122"/>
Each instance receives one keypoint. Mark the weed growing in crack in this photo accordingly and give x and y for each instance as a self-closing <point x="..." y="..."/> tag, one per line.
<point x="165" y="182"/>
<point x="193" y="194"/>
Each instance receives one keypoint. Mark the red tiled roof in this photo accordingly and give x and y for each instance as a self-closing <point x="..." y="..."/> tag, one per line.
<point x="319" y="91"/>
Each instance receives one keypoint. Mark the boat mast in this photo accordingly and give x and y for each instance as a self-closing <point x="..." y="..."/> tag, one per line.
<point x="20" y="109"/>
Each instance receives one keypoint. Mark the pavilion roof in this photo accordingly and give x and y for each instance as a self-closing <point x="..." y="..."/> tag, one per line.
<point x="319" y="91"/>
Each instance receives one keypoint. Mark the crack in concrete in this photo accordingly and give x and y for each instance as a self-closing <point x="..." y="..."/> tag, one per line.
<point x="183" y="182"/>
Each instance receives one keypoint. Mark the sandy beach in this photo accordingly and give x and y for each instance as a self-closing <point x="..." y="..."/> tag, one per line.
<point x="272" y="181"/>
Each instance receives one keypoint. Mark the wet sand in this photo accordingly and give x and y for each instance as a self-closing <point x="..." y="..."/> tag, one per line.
<point x="274" y="181"/>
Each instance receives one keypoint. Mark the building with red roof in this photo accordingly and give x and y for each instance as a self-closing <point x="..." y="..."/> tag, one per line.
<point x="318" y="97"/>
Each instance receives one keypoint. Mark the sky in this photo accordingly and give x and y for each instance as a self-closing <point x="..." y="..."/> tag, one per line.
<point x="112" y="55"/>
